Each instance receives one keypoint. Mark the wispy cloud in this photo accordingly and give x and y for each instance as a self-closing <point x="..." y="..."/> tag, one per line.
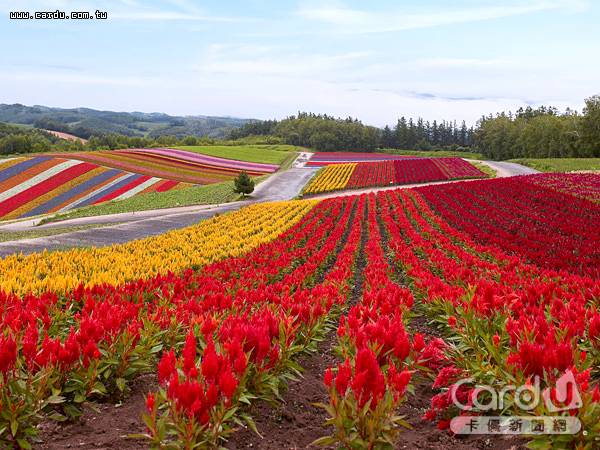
<point x="272" y="60"/>
<point x="461" y="63"/>
<point x="65" y="78"/>
<point x="363" y="21"/>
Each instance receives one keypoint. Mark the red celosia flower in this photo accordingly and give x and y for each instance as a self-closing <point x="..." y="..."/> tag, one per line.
<point x="8" y="354"/>
<point x="166" y="367"/>
<point x="150" y="402"/>
<point x="210" y="361"/>
<point x="240" y="364"/>
<point x="90" y="351"/>
<point x="368" y="382"/>
<point x="418" y="342"/>
<point x="342" y="378"/>
<point x="212" y="395"/>
<point x="496" y="339"/>
<point x="228" y="383"/>
<point x="189" y="352"/>
<point x="328" y="379"/>
<point x="446" y="376"/>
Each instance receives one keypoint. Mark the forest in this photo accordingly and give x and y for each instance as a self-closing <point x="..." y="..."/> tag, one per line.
<point x="543" y="132"/>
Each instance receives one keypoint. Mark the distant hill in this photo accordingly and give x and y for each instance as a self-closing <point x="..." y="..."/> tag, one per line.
<point x="85" y="122"/>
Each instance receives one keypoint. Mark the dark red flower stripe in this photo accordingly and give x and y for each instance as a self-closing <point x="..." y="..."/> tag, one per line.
<point x="411" y="171"/>
<point x="550" y="228"/>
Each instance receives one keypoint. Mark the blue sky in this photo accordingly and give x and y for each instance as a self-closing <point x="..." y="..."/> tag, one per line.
<point x="268" y="59"/>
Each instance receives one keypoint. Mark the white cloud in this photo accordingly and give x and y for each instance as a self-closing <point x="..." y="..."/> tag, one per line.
<point x="460" y="63"/>
<point x="359" y="21"/>
<point x="68" y="78"/>
<point x="264" y="60"/>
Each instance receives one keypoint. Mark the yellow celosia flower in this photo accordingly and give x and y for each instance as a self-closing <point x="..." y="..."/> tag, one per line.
<point x="231" y="234"/>
<point x="330" y="178"/>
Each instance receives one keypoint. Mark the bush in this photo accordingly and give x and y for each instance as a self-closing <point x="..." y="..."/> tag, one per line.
<point x="243" y="184"/>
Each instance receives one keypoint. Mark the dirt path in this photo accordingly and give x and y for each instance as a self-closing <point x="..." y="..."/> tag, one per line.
<point x="507" y="169"/>
<point x="106" y="428"/>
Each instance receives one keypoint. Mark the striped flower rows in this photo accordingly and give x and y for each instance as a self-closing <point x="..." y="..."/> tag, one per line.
<point x="322" y="159"/>
<point x="583" y="185"/>
<point x="222" y="311"/>
<point x="385" y="173"/>
<point x="45" y="184"/>
<point x="230" y="235"/>
<point x="174" y="164"/>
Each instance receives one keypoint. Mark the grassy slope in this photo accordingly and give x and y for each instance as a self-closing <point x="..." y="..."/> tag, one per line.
<point x="432" y="153"/>
<point x="197" y="195"/>
<point x="269" y="154"/>
<point x="560" y="164"/>
<point x="484" y="168"/>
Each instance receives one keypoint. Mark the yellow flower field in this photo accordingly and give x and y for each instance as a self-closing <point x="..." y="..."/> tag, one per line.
<point x="231" y="234"/>
<point x="331" y="178"/>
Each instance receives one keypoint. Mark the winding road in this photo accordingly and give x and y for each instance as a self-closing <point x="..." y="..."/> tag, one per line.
<point x="507" y="169"/>
<point x="120" y="228"/>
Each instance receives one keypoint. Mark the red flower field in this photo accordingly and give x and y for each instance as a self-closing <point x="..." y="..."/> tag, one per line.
<point x="506" y="269"/>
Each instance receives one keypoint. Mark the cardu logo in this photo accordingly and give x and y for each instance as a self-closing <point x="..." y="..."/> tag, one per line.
<point x="566" y="393"/>
<point x="563" y="397"/>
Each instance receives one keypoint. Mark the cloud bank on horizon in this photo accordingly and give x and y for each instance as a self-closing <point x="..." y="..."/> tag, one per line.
<point x="266" y="59"/>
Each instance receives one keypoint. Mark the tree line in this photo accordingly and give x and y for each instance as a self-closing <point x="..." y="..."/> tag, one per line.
<point x="20" y="139"/>
<point x="317" y="131"/>
<point x="527" y="133"/>
<point x="541" y="133"/>
<point x="327" y="133"/>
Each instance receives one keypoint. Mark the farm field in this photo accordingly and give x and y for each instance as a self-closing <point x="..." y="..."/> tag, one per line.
<point x="175" y="164"/>
<point x="266" y="154"/>
<point x="434" y="153"/>
<point x="560" y="164"/>
<point x="335" y="177"/>
<point x="66" y="136"/>
<point x="46" y="184"/>
<point x="507" y="270"/>
<point x="322" y="159"/>
<point x="136" y="179"/>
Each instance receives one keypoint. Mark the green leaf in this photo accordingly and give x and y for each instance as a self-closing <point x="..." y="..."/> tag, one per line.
<point x="24" y="444"/>
<point x="139" y="436"/>
<point x="14" y="427"/>
<point x="56" y="417"/>
<point x="324" y="441"/>
<point x="250" y="422"/>
<point x="121" y="384"/>
<point x="55" y="399"/>
<point x="229" y="414"/>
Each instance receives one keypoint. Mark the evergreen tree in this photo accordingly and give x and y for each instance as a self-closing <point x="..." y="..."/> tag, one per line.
<point x="243" y="184"/>
<point x="387" y="138"/>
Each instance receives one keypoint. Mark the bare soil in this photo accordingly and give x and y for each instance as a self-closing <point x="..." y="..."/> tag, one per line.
<point x="296" y="423"/>
<point x="106" y="428"/>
